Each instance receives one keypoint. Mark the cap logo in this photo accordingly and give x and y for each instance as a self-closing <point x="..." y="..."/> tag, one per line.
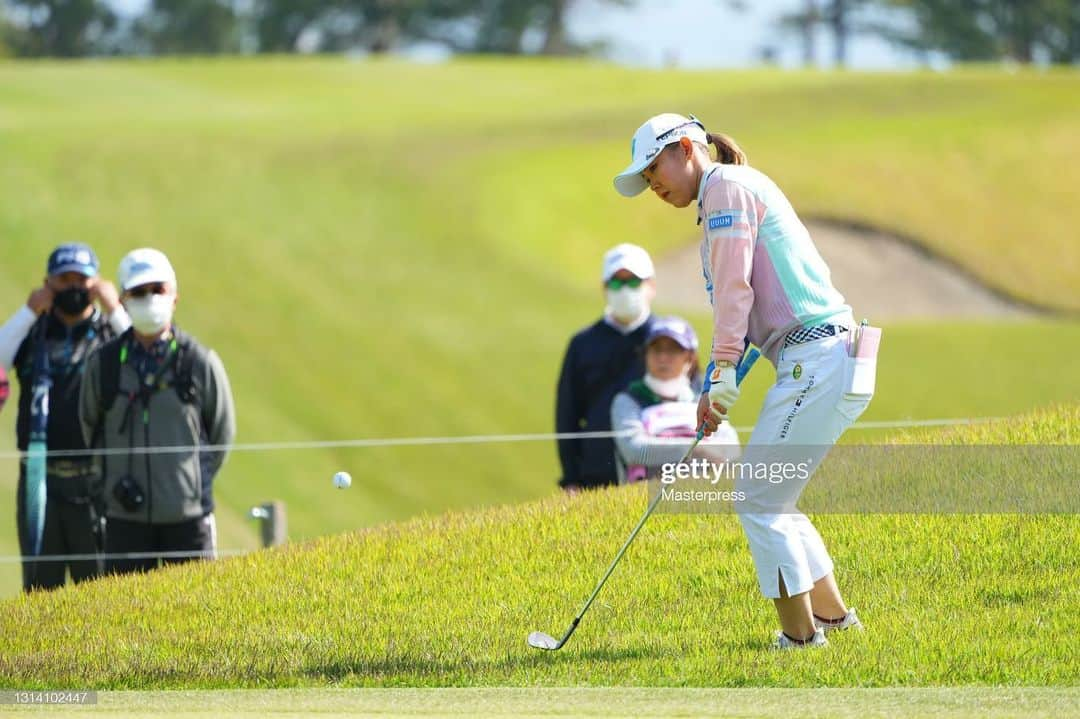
<point x="67" y="257"/>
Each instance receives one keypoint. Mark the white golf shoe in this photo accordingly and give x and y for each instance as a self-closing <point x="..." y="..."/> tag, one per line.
<point x="784" y="642"/>
<point x="849" y="621"/>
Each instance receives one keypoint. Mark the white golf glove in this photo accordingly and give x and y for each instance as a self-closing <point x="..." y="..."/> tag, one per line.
<point x="722" y="387"/>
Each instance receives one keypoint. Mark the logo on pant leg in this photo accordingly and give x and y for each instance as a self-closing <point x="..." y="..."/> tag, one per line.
<point x="796" y="406"/>
<point x="797" y="372"/>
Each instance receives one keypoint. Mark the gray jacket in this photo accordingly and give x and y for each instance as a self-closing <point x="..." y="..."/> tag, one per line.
<point x="176" y="486"/>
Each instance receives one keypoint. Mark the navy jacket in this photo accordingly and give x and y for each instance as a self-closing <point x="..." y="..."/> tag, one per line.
<point x="68" y="349"/>
<point x="599" y="363"/>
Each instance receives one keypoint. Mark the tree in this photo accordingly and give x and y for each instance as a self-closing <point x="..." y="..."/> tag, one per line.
<point x="59" y="28"/>
<point x="476" y="26"/>
<point x="836" y="15"/>
<point x="804" y="23"/>
<point x="280" y="23"/>
<point x="205" y="27"/>
<point x="1072" y="43"/>
<point x="376" y="25"/>
<point x="974" y="30"/>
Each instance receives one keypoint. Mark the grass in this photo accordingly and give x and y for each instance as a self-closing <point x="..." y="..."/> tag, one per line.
<point x="447" y="600"/>
<point x="374" y="260"/>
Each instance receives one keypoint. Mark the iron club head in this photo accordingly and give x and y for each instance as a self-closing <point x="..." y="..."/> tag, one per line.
<point x="539" y="640"/>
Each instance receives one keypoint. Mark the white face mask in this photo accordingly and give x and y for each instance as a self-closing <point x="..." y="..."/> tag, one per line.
<point x="627" y="304"/>
<point x="150" y="314"/>
<point x="668" y="388"/>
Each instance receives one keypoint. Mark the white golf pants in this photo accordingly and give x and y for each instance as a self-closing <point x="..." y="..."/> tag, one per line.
<point x="804" y="413"/>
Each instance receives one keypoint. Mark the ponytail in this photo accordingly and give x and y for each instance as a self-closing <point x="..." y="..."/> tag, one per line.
<point x="728" y="151"/>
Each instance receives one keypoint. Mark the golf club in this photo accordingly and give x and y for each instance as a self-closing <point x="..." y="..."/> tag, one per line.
<point x="542" y="640"/>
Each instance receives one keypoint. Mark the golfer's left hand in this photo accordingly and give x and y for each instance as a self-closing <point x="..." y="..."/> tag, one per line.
<point x="723" y="390"/>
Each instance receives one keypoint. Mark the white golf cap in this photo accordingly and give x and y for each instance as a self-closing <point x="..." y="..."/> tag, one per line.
<point x="657" y="133"/>
<point x="144" y="266"/>
<point x="628" y="257"/>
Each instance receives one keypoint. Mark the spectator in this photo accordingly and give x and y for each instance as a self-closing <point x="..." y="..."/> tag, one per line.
<point x="48" y="341"/>
<point x="600" y="361"/>
<point x="658" y="412"/>
<point x="156" y="386"/>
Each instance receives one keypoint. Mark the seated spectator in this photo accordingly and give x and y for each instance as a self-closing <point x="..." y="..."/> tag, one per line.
<point x="657" y="413"/>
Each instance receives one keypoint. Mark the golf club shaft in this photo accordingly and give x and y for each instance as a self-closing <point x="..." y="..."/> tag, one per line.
<point x="749" y="358"/>
<point x="641" y="523"/>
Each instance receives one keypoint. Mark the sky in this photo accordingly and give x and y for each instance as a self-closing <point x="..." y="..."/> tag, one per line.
<point x="699" y="34"/>
<point x="708" y="34"/>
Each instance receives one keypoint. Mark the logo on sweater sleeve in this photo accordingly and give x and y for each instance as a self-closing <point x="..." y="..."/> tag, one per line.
<point x="718" y="221"/>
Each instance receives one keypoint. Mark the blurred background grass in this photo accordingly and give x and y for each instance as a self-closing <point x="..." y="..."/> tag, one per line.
<point x="380" y="249"/>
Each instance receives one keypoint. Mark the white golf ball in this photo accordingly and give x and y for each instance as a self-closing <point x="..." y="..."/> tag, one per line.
<point x="342" y="480"/>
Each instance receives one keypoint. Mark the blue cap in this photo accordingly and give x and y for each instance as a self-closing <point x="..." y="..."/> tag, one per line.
<point x="73" y="257"/>
<point x="675" y="328"/>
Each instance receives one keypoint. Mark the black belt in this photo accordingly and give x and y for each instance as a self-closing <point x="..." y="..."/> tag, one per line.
<point x="809" y="334"/>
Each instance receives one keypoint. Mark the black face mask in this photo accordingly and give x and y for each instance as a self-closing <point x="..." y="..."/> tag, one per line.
<point x="72" y="301"/>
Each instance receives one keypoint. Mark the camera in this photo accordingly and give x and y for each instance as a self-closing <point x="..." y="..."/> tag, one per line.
<point x="129" y="494"/>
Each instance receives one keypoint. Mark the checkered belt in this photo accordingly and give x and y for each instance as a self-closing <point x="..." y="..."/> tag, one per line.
<point x="809" y="334"/>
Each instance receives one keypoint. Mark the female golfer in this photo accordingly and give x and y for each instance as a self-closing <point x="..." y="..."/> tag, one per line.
<point x="768" y="285"/>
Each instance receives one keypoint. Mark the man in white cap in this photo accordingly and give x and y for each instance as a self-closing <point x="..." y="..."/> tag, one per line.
<point x="600" y="361"/>
<point x="156" y="386"/>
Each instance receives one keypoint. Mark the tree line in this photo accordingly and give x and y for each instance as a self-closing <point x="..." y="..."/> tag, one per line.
<point x="962" y="30"/>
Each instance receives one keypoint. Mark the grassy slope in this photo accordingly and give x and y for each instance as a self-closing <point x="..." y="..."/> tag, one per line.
<point x="448" y="600"/>
<point x="344" y="232"/>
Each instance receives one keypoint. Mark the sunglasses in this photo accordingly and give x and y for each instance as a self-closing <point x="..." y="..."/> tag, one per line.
<point x="616" y="284"/>
<point x="151" y="289"/>
<point x="693" y="121"/>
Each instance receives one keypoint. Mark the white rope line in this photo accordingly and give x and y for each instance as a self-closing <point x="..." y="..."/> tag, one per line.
<point x="419" y="441"/>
